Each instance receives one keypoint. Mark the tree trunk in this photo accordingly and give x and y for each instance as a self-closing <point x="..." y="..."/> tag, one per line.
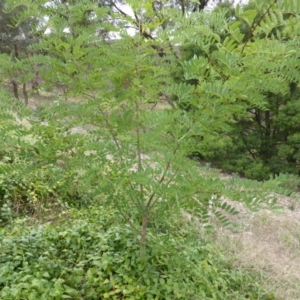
<point x="144" y="236"/>
<point x="201" y="5"/>
<point x="25" y="94"/>
<point x="15" y="89"/>
<point x="35" y="81"/>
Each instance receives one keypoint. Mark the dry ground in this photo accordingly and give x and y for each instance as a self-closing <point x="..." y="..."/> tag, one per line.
<point x="58" y="94"/>
<point x="269" y="245"/>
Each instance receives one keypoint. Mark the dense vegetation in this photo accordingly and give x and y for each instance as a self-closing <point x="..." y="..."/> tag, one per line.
<point x="247" y="70"/>
<point x="96" y="194"/>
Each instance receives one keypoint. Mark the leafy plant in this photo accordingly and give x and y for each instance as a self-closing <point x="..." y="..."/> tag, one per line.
<point x="247" y="71"/>
<point x="139" y="165"/>
<point x="104" y="262"/>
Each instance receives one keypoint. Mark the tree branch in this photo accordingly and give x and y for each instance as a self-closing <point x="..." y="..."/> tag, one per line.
<point x="250" y="35"/>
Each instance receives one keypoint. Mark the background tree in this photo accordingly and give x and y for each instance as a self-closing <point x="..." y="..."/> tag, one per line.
<point x="14" y="38"/>
<point x="254" y="144"/>
<point x="14" y="42"/>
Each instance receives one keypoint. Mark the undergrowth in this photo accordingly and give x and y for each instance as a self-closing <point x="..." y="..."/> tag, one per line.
<point x="63" y="237"/>
<point x="92" y="255"/>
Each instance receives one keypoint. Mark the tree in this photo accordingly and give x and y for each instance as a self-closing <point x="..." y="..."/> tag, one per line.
<point x="14" y="43"/>
<point x="141" y="166"/>
<point x="102" y="18"/>
<point x="259" y="89"/>
<point x="13" y="38"/>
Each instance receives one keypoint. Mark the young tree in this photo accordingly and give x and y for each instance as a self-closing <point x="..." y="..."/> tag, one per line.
<point x="141" y="164"/>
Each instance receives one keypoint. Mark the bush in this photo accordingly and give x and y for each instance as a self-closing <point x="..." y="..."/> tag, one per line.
<point x="41" y="163"/>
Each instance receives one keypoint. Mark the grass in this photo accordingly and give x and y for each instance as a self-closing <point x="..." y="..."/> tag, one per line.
<point x="270" y="246"/>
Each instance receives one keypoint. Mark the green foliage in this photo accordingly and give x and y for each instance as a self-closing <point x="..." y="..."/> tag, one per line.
<point x="55" y="164"/>
<point x="14" y="38"/>
<point x="47" y="164"/>
<point x="37" y="169"/>
<point x="244" y="76"/>
<point x="114" y="152"/>
<point x="90" y="255"/>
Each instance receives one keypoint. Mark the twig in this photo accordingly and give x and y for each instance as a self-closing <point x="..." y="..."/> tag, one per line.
<point x="258" y="22"/>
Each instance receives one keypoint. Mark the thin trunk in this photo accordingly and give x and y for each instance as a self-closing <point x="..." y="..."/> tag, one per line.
<point x="268" y="123"/>
<point x="267" y="150"/>
<point x="182" y="7"/>
<point x="144" y="235"/>
<point x="16" y="51"/>
<point x="15" y="89"/>
<point x="25" y="94"/>
<point x="138" y="138"/>
<point x="35" y="81"/>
